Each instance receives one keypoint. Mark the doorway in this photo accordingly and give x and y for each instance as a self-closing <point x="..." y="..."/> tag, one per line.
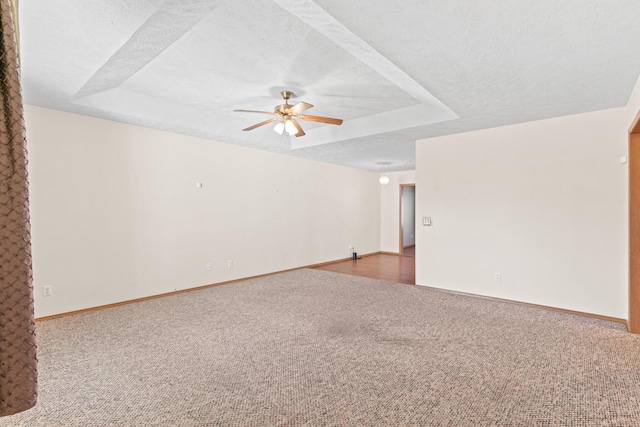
<point x="407" y="220"/>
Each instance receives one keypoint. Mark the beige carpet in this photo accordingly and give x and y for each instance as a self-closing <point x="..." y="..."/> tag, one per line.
<point x="315" y="348"/>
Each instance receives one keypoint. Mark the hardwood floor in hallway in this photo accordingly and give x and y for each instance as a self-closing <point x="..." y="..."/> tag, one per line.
<point x="393" y="268"/>
<point x="409" y="251"/>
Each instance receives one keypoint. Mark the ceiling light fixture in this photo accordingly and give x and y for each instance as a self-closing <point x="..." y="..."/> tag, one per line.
<point x="279" y="128"/>
<point x="384" y="170"/>
<point x="285" y="126"/>
<point x="287" y="115"/>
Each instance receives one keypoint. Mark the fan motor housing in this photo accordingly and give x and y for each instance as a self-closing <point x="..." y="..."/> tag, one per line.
<point x="282" y="109"/>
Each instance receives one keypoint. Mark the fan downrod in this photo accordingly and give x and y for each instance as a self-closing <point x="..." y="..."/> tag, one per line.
<point x="286" y="95"/>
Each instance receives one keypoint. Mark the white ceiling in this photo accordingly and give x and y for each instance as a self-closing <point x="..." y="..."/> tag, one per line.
<point x="394" y="71"/>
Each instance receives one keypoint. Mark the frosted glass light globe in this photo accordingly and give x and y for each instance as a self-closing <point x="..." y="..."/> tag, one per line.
<point x="279" y="128"/>
<point x="290" y="128"/>
<point x="384" y="179"/>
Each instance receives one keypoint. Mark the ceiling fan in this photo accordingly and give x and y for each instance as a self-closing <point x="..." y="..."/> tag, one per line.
<point x="286" y="115"/>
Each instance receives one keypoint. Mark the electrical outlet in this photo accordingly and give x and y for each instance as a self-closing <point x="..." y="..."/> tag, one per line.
<point x="209" y="266"/>
<point x="46" y="290"/>
<point x="497" y="277"/>
<point x="230" y="263"/>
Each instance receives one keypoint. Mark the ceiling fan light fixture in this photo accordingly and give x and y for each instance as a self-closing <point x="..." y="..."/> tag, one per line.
<point x="285" y="127"/>
<point x="289" y="128"/>
<point x="279" y="128"/>
<point x="287" y="116"/>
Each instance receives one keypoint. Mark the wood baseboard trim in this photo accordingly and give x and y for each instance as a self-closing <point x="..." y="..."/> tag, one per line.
<point x="389" y="253"/>
<point x="181" y="291"/>
<point x="531" y="305"/>
<point x="133" y="301"/>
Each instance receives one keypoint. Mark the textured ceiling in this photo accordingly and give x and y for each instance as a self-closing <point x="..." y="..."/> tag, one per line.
<point x="394" y="71"/>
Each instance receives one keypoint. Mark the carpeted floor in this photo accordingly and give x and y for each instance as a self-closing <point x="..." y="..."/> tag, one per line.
<point x="316" y="348"/>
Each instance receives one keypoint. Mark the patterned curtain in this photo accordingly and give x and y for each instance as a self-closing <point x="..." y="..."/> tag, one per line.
<point x="18" y="363"/>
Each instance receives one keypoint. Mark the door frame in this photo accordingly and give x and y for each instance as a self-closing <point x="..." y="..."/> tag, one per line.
<point x="401" y="227"/>
<point x="633" y="323"/>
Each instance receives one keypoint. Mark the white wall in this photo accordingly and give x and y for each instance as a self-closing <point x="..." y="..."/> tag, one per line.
<point x="116" y="214"/>
<point x="543" y="203"/>
<point x="408" y="216"/>
<point x="390" y="209"/>
<point x="633" y="105"/>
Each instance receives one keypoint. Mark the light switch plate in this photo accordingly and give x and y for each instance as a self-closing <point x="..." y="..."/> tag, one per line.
<point x="426" y="220"/>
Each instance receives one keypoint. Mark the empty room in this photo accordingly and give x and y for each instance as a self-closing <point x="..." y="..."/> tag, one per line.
<point x="320" y="213"/>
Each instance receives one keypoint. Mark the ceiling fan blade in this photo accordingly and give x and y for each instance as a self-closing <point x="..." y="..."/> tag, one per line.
<point x="299" y="108"/>
<point x="319" y="119"/>
<point x="275" y="119"/>
<point x="254" y="111"/>
<point x="297" y="125"/>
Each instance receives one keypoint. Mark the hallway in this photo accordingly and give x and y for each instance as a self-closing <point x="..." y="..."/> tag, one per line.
<point x="393" y="268"/>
